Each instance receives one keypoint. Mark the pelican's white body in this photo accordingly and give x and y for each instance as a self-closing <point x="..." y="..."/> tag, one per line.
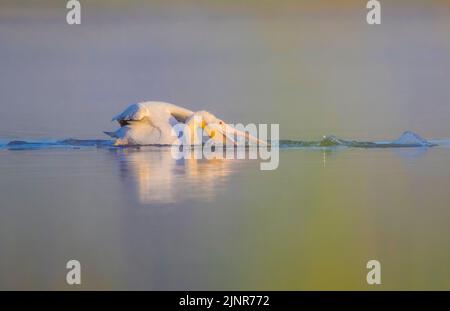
<point x="152" y="123"/>
<point x="149" y="123"/>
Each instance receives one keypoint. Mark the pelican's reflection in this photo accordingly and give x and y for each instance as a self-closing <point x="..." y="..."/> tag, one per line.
<point x="158" y="178"/>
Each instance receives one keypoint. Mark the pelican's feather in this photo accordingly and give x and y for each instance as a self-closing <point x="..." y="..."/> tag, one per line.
<point x="133" y="112"/>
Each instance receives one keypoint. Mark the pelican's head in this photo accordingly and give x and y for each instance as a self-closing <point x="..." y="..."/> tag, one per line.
<point x="213" y="126"/>
<point x="208" y="120"/>
<point x="205" y="116"/>
<point x="218" y="130"/>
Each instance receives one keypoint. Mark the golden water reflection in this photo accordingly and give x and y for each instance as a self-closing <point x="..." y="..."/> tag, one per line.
<point x="159" y="178"/>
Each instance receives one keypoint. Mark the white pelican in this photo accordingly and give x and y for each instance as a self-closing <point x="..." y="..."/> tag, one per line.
<point x="152" y="123"/>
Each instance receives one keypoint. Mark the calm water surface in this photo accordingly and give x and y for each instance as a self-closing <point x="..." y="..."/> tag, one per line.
<point x="136" y="219"/>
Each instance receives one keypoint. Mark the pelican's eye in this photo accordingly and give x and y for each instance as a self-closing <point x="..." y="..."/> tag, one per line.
<point x="220" y="122"/>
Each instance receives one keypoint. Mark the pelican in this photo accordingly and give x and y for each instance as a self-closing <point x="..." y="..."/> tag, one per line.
<point x="152" y="123"/>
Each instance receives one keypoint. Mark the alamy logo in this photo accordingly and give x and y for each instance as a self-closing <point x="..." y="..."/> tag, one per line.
<point x="374" y="275"/>
<point x="199" y="139"/>
<point x="73" y="276"/>
<point x="374" y="14"/>
<point x="73" y="17"/>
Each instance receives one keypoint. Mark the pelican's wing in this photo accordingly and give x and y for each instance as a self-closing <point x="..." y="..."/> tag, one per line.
<point x="134" y="112"/>
<point x="137" y="112"/>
